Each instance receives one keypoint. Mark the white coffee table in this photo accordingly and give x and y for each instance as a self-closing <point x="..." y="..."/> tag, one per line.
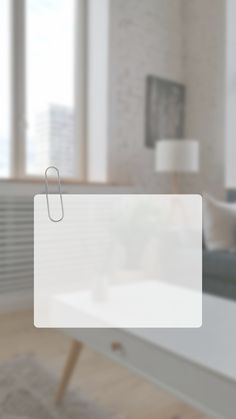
<point x="197" y="365"/>
<point x="143" y="304"/>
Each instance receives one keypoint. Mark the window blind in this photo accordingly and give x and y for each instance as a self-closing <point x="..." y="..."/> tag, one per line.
<point x="16" y="243"/>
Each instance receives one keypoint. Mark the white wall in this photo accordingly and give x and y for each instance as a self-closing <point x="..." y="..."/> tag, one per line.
<point x="180" y="40"/>
<point x="204" y="46"/>
<point x="230" y="161"/>
<point x="98" y="51"/>
<point x="145" y="38"/>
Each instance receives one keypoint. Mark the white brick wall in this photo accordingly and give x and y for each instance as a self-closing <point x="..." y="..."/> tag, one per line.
<point x="231" y="95"/>
<point x="181" y="40"/>
<point x="204" y="46"/>
<point x="146" y="38"/>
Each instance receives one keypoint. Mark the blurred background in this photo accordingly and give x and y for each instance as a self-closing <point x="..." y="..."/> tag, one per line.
<point x="122" y="96"/>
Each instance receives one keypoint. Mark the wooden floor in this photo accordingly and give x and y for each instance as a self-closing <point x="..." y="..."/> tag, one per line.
<point x="100" y="379"/>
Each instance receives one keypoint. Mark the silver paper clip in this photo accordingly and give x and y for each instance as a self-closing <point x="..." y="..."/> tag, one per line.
<point x="59" y="191"/>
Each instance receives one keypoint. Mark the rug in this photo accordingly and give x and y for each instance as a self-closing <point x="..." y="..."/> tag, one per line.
<point x="27" y="390"/>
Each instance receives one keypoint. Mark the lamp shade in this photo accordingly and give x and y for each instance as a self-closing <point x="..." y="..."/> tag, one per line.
<point x="177" y="156"/>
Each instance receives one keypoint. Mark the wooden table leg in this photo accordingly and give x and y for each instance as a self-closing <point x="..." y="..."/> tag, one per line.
<point x="75" y="350"/>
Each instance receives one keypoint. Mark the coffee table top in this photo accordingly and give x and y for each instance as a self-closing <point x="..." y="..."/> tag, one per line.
<point x="148" y="303"/>
<point x="197" y="365"/>
<point x="212" y="346"/>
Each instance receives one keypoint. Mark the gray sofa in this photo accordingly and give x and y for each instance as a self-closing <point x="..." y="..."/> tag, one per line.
<point x="219" y="268"/>
<point x="219" y="273"/>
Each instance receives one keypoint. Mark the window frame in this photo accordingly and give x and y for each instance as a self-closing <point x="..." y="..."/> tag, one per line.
<point x="18" y="120"/>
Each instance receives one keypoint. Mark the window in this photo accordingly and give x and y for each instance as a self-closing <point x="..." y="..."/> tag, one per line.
<point x="47" y="51"/>
<point x="50" y="86"/>
<point x="5" y="89"/>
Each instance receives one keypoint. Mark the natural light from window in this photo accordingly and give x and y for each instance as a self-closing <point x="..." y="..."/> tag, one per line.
<point x="50" y="51"/>
<point x="5" y="89"/>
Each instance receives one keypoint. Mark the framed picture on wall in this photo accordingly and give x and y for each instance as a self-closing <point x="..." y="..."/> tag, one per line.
<point x="165" y="108"/>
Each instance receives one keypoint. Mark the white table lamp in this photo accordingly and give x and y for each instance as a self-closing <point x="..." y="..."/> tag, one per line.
<point x="176" y="156"/>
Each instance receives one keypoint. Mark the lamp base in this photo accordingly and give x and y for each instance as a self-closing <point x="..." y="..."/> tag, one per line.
<point x="174" y="184"/>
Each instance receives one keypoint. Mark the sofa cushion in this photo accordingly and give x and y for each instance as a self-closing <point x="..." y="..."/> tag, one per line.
<point x="220" y="264"/>
<point x="219" y="224"/>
